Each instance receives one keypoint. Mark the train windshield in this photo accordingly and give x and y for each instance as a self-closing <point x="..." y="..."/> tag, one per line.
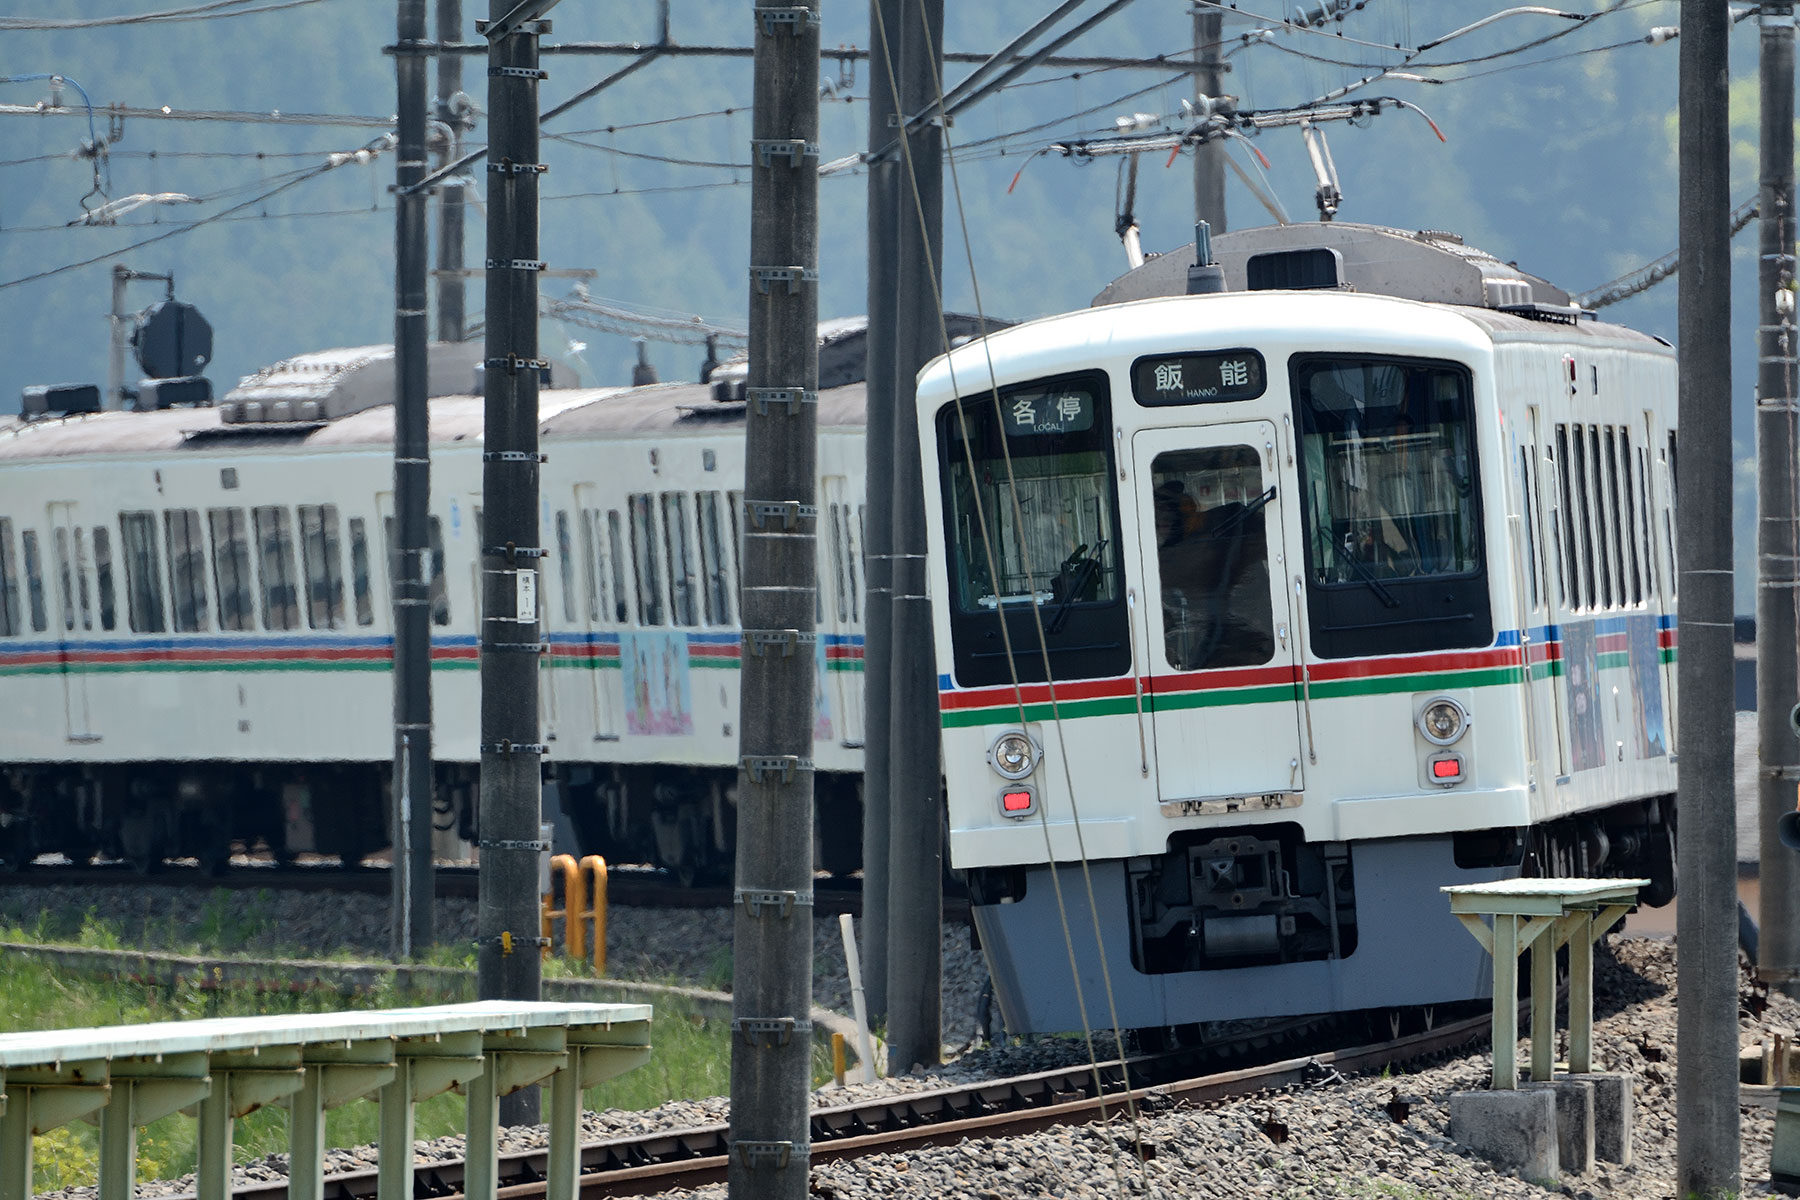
<point x="1032" y="530"/>
<point x="1390" y="503"/>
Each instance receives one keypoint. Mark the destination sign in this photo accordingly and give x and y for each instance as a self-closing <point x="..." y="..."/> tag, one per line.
<point x="1198" y="378"/>
<point x="1059" y="410"/>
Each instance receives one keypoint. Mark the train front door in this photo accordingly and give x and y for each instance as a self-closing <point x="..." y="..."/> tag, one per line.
<point x="1217" y="625"/>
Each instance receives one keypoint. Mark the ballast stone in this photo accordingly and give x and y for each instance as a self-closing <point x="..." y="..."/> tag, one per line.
<point x="1515" y="1130"/>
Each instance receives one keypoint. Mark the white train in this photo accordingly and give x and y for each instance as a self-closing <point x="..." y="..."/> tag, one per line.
<point x="1260" y="615"/>
<point x="195" y="630"/>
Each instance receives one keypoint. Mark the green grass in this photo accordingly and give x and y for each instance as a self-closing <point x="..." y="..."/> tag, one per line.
<point x="690" y="1058"/>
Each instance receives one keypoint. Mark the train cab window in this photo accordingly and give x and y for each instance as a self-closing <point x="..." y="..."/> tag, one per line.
<point x="1212" y="556"/>
<point x="565" y="563"/>
<point x="714" y="584"/>
<point x="103" y="577"/>
<point x="359" y="572"/>
<point x="644" y="566"/>
<point x="1032" y="526"/>
<point x="275" y="555"/>
<point x="323" y="560"/>
<point x="615" y="541"/>
<point x="143" y="579"/>
<point x="678" y="539"/>
<point x="10" y="623"/>
<point x="1391" y="503"/>
<point x="187" y="571"/>
<point x="232" y="582"/>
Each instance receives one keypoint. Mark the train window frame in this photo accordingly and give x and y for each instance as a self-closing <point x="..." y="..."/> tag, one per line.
<point x="361" y="591"/>
<point x="65" y="574"/>
<point x="841" y="587"/>
<point x="228" y="528"/>
<point x="1603" y="557"/>
<point x="105" y="596"/>
<point x="144" y="610"/>
<point x="594" y="566"/>
<point x="615" y="543"/>
<point x="734" y="499"/>
<point x="322" y="564"/>
<point x="678" y="546"/>
<point x="84" y="589"/>
<point x="189" y="610"/>
<point x="1366" y="613"/>
<point x="1528" y="503"/>
<point x="278" y="585"/>
<point x="1627" y="501"/>
<point x="565" y="565"/>
<point x="32" y="556"/>
<point x="1083" y="638"/>
<point x="1653" y="583"/>
<point x="646" y="572"/>
<point x="11" y="618"/>
<point x="715" y="583"/>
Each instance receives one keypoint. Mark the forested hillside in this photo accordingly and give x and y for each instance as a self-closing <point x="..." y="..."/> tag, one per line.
<point x="1560" y="157"/>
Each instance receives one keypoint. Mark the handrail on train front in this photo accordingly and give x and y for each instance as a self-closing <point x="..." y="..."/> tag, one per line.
<point x="130" y="1075"/>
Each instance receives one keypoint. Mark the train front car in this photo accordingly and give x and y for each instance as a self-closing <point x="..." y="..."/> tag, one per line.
<point x="1262" y="615"/>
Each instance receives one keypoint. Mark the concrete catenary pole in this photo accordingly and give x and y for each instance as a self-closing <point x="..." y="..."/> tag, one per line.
<point x="916" y="816"/>
<point x="412" y="888"/>
<point x="878" y="534"/>
<point x="771" y="1045"/>
<point x="1209" y="159"/>
<point x="507" y="963"/>
<point x="1778" y="946"/>
<point x="1706" y="926"/>
<point x="451" y="289"/>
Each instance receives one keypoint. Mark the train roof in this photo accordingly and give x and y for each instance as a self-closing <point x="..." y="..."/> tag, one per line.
<point x="657" y="409"/>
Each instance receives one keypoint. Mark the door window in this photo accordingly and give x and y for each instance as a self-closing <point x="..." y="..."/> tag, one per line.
<point x="1212" y="557"/>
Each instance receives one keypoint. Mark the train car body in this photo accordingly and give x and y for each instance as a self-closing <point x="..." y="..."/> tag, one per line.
<point x="196" y="635"/>
<point x="1261" y="615"/>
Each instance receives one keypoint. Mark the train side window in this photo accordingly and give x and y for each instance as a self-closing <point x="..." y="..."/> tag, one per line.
<point x="837" y="563"/>
<point x="187" y="571"/>
<point x="862" y="551"/>
<point x="595" y="575"/>
<point x="643" y="559"/>
<point x="715" y="586"/>
<point x="10" y="624"/>
<point x="438" y="587"/>
<point x="84" y="590"/>
<point x="1574" y="517"/>
<point x="231" y="568"/>
<point x="103" y="577"/>
<point x="736" y="501"/>
<point x="65" y="576"/>
<point x="275" y="551"/>
<point x="34" y="580"/>
<point x="143" y="579"/>
<point x="678" y="540"/>
<point x="615" y="541"/>
<point x="1628" y="509"/>
<point x="1559" y="528"/>
<point x="1668" y="515"/>
<point x="359" y="571"/>
<point x="565" y="563"/>
<point x="1645" y="522"/>
<point x="322" y="557"/>
<point x="1605" y="531"/>
<point x="1530" y="523"/>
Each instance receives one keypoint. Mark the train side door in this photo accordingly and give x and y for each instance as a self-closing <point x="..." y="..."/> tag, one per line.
<point x="72" y="620"/>
<point x="1222" y="653"/>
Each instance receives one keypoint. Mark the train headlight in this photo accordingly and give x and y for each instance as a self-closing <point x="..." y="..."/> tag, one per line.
<point x="1442" y="721"/>
<point x="1013" y="755"/>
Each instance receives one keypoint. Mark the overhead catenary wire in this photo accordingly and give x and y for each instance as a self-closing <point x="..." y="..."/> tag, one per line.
<point x="216" y="10"/>
<point x="1642" y="279"/>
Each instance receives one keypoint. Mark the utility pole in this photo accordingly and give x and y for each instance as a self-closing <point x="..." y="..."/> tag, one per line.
<point x="1209" y="157"/>
<point x="1706" y="926"/>
<point x="1778" y="943"/>
<point x="771" y="1006"/>
<point x="916" y="817"/>
<point x="412" y="883"/>
<point x="454" y="117"/>
<point x="878" y="535"/>
<point x="508" y="966"/>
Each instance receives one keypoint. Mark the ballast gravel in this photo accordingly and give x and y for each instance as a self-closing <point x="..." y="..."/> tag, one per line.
<point x="1339" y="1139"/>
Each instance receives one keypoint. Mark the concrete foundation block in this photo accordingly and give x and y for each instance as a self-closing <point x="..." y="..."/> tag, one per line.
<point x="1515" y="1130"/>
<point x="1612" y="1115"/>
<point x="1574" y="1122"/>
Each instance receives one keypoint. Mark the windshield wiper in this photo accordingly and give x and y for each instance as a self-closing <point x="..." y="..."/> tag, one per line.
<point x="1082" y="575"/>
<point x="1363" y="573"/>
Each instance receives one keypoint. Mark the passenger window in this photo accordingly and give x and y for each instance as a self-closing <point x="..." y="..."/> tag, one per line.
<point x="838" y="564"/>
<point x="1565" y="472"/>
<point x="10" y="624"/>
<point x="643" y="560"/>
<point x="1650" y="576"/>
<point x="615" y="538"/>
<point x="679" y="541"/>
<point x="34" y="581"/>
<point x="716" y="586"/>
<point x="275" y="548"/>
<point x="83" y="590"/>
<point x="1530" y="524"/>
<point x="187" y="571"/>
<point x="143" y="586"/>
<point x="322" y="558"/>
<point x="65" y="578"/>
<point x="359" y="571"/>
<point x="595" y="575"/>
<point x="1212" y="558"/>
<point x="1628" y="510"/>
<point x="231" y="569"/>
<point x="736" y="500"/>
<point x="565" y="559"/>
<point x="1596" y="486"/>
<point x="439" y="587"/>
<point x="103" y="577"/>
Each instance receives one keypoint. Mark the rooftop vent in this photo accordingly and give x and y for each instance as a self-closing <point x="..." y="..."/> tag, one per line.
<point x="59" y="400"/>
<point x="1295" y="270"/>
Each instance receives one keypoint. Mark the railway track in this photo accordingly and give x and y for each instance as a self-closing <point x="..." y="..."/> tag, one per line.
<point x="664" y="1160"/>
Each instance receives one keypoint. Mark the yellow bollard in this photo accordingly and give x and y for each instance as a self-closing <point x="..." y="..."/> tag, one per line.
<point x="837" y="1058"/>
<point x="580" y="904"/>
<point x="596" y="866"/>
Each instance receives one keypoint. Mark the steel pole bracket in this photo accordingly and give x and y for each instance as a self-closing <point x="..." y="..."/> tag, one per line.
<point x="755" y="900"/>
<point x="764" y="1155"/>
<point x="793" y="19"/>
<point x="761" y="398"/>
<point x="787" y="640"/>
<point x="789" y="512"/>
<point x="769" y="1031"/>
<point x="766" y="278"/>
<point x="760" y="766"/>
<point x="506" y="749"/>
<point x="795" y="150"/>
